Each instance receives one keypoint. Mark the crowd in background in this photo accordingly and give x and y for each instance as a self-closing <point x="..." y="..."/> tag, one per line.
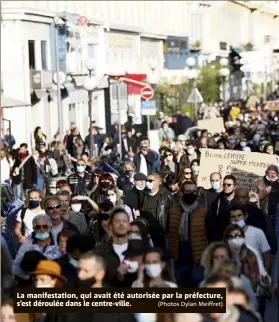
<point x="70" y="219"/>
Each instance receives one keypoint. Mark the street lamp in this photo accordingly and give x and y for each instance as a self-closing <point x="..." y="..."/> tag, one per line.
<point x="89" y="84"/>
<point x="153" y="81"/>
<point x="224" y="72"/>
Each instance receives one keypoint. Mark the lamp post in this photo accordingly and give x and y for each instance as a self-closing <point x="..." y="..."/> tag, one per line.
<point x="58" y="23"/>
<point x="224" y="72"/>
<point x="153" y="81"/>
<point x="90" y="83"/>
<point x="192" y="75"/>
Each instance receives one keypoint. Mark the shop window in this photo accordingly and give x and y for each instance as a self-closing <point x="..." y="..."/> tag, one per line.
<point x="44" y="54"/>
<point x="31" y="54"/>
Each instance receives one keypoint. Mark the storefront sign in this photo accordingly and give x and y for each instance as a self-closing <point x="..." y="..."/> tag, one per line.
<point x="245" y="166"/>
<point x="118" y="41"/>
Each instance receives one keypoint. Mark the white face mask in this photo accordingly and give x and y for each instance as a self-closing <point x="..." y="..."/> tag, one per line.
<point x="81" y="168"/>
<point x="153" y="270"/>
<point x="149" y="185"/>
<point x="139" y="188"/>
<point x="236" y="243"/>
<point x="112" y="198"/>
<point x="132" y="266"/>
<point x="44" y="286"/>
<point x="134" y="236"/>
<point x="76" y="207"/>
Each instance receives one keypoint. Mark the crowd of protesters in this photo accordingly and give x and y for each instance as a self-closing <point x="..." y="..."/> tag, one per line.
<point x="72" y="220"/>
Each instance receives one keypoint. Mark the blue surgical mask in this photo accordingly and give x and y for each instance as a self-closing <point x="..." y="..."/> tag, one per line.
<point x="73" y="262"/>
<point x="240" y="223"/>
<point x="42" y="236"/>
<point x="149" y="185"/>
<point x="195" y="168"/>
<point x="215" y="185"/>
<point x="243" y="144"/>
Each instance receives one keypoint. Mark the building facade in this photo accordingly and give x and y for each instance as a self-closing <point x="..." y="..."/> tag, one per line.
<point x="122" y="37"/>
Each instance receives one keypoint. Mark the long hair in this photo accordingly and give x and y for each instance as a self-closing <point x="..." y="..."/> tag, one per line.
<point x="39" y="192"/>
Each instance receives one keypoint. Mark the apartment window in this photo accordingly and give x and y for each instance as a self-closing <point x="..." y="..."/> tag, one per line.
<point x="31" y="53"/>
<point x="223" y="45"/>
<point x="44" y="54"/>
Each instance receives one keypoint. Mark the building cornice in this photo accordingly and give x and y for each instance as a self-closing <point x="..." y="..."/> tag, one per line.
<point x="27" y="14"/>
<point x="153" y="36"/>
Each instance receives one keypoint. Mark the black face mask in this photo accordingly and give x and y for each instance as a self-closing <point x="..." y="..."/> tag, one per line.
<point x="105" y="185"/>
<point x="128" y="172"/>
<point x="87" y="283"/>
<point x="189" y="198"/>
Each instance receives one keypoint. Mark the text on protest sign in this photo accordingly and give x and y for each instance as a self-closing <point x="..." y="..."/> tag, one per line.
<point x="137" y="300"/>
<point x="214" y="125"/>
<point x="245" y="166"/>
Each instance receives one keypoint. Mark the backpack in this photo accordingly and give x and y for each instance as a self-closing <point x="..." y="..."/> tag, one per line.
<point x="22" y="215"/>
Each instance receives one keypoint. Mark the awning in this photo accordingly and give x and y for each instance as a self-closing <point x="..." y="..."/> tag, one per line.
<point x="237" y="50"/>
<point x="8" y="102"/>
<point x="135" y="89"/>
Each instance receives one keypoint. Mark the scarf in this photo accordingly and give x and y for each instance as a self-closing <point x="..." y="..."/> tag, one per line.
<point x="184" y="221"/>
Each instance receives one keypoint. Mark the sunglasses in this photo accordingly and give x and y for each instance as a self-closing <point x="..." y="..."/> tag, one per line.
<point x="54" y="207"/>
<point x="227" y="184"/>
<point x="236" y="235"/>
<point x="41" y="226"/>
<point x="150" y="180"/>
<point x="187" y="172"/>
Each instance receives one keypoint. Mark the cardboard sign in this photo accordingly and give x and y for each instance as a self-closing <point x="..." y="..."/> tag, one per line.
<point x="273" y="105"/>
<point x="245" y="166"/>
<point x="214" y="125"/>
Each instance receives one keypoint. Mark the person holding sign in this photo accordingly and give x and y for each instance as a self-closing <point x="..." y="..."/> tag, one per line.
<point x="268" y="190"/>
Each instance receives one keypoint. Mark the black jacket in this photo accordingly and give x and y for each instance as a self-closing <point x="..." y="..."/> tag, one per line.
<point x="70" y="142"/>
<point x="217" y="218"/>
<point x="211" y="195"/>
<point x="68" y="270"/>
<point x="30" y="173"/>
<point x="113" y="262"/>
<point x="158" y="223"/>
<point x="164" y="204"/>
<point x="133" y="198"/>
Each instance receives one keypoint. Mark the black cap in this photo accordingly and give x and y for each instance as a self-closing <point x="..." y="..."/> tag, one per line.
<point x="136" y="247"/>
<point x="140" y="177"/>
<point x="272" y="167"/>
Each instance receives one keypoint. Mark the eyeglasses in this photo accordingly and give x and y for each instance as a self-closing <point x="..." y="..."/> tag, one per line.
<point x="150" y="180"/>
<point x="187" y="172"/>
<point x="54" y="207"/>
<point x="236" y="235"/>
<point x="227" y="184"/>
<point x="41" y="226"/>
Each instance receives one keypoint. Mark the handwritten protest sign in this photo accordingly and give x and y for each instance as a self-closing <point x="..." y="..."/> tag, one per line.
<point x="245" y="166"/>
<point x="215" y="125"/>
<point x="273" y="105"/>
